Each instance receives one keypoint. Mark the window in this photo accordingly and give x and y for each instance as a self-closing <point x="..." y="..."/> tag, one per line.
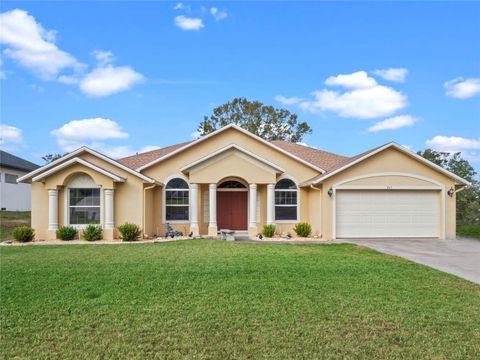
<point x="176" y="200"/>
<point x="11" y="179"/>
<point x="231" y="184"/>
<point x="84" y="206"/>
<point x="286" y="200"/>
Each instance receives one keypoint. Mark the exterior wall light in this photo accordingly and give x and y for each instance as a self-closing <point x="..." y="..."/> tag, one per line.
<point x="330" y="192"/>
<point x="451" y="191"/>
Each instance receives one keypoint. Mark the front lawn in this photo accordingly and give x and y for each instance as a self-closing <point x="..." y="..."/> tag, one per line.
<point x="213" y="299"/>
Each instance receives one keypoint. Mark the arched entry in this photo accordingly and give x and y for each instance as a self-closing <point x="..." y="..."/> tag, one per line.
<point x="232" y="205"/>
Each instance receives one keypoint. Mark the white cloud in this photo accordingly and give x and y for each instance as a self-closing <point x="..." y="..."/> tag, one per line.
<point x="461" y="88"/>
<point x="393" y="123"/>
<point x="218" y="14"/>
<point x="109" y="80"/>
<point x="91" y="133"/>
<point x="187" y="23"/>
<point x="149" y="148"/>
<point x="294" y="100"/>
<point x="366" y="103"/>
<point x="28" y="43"/>
<point x="452" y="144"/>
<point x="356" y="80"/>
<point x="182" y="6"/>
<point x="90" y="129"/>
<point x="10" y="136"/>
<point x="392" y="74"/>
<point x="103" y="57"/>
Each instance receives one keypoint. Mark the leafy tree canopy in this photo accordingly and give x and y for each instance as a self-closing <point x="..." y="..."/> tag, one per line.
<point x="468" y="200"/>
<point x="48" y="158"/>
<point x="263" y="120"/>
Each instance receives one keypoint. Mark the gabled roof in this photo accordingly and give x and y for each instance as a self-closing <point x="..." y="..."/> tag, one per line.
<point x="77" y="160"/>
<point x="365" y="155"/>
<point x="74" y="154"/>
<point x="216" y="132"/>
<point x="14" y="162"/>
<point x="228" y="150"/>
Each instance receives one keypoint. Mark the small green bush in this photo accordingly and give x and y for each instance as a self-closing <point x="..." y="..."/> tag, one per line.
<point x="66" y="233"/>
<point x="129" y="232"/>
<point x="303" y="229"/>
<point x="472" y="231"/>
<point x="24" y="233"/>
<point x="268" y="230"/>
<point x="92" y="232"/>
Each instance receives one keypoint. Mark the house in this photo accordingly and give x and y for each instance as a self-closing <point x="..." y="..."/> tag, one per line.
<point x="14" y="196"/>
<point x="233" y="179"/>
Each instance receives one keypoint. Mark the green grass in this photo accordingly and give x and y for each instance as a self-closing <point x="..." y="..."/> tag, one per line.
<point x="218" y="300"/>
<point x="469" y="231"/>
<point x="9" y="220"/>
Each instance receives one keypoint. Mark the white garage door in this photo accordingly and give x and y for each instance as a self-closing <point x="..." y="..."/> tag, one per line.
<point x="372" y="213"/>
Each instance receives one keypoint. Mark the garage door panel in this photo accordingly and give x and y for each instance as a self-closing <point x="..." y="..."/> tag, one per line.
<point x="372" y="213"/>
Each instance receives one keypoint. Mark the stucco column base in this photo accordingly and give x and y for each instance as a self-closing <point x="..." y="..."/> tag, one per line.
<point x="252" y="231"/>
<point x="194" y="230"/>
<point x="108" y="234"/>
<point x="212" y="231"/>
<point x="51" y="234"/>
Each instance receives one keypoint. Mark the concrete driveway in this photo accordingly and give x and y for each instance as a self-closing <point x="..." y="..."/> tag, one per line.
<point x="459" y="257"/>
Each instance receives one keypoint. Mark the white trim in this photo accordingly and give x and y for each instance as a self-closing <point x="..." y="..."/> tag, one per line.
<point x="438" y="187"/>
<point x="203" y="138"/>
<point x="77" y="160"/>
<point x="286" y="176"/>
<point x="228" y="150"/>
<point x="92" y="152"/>
<point x="402" y="149"/>
<point x="164" y="190"/>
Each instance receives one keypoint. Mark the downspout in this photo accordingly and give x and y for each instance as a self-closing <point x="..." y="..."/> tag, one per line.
<point x="144" y="205"/>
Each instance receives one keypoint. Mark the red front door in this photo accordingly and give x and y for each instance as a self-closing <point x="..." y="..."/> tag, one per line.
<point x="232" y="210"/>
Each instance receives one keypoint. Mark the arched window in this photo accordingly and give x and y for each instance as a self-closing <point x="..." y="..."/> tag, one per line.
<point x="286" y="200"/>
<point x="231" y="184"/>
<point x="176" y="200"/>
<point x="83" y="201"/>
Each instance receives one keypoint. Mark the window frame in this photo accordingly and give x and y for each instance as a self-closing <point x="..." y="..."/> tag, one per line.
<point x="297" y="205"/>
<point x="164" y="215"/>
<point x="68" y="206"/>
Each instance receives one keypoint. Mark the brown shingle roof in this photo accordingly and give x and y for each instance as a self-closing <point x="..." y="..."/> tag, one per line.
<point x="140" y="159"/>
<point x="320" y="158"/>
<point x="323" y="159"/>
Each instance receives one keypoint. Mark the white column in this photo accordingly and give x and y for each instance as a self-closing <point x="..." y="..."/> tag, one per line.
<point x="109" y="209"/>
<point x="53" y="209"/>
<point x="194" y="209"/>
<point x="270" y="203"/>
<point x="252" y="223"/>
<point x="212" y="196"/>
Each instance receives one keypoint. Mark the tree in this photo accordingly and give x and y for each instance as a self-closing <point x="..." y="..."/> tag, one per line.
<point x="263" y="120"/>
<point x="48" y="158"/>
<point x="468" y="200"/>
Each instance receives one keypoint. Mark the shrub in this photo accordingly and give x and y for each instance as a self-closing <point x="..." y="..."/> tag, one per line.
<point x="129" y="232"/>
<point x="303" y="229"/>
<point x="23" y="233"/>
<point x="66" y="233"/>
<point x="268" y="230"/>
<point x="472" y="231"/>
<point x="92" y="232"/>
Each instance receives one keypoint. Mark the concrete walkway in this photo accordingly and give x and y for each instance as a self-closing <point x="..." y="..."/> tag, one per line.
<point x="459" y="257"/>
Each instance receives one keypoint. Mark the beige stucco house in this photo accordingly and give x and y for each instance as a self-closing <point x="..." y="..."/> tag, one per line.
<point x="233" y="179"/>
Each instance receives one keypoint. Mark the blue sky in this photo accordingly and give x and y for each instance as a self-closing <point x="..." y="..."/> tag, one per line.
<point x="123" y="77"/>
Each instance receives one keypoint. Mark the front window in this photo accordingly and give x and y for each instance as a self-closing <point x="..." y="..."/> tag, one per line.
<point x="176" y="200"/>
<point x="84" y="206"/>
<point x="286" y="200"/>
<point x="11" y="178"/>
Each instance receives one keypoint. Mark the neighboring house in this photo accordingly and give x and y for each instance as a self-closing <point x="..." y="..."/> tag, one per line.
<point x="236" y="180"/>
<point x="14" y="196"/>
